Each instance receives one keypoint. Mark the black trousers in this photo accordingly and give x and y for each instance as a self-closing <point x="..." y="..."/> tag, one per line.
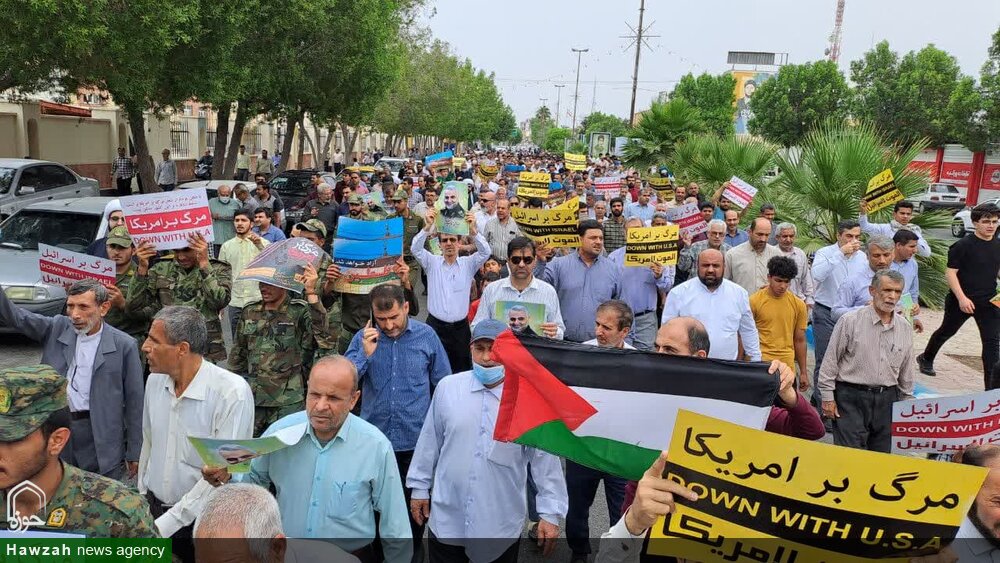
<point x="865" y="416"/>
<point x="124" y="186"/>
<point x="455" y="338"/>
<point x="403" y="460"/>
<point x="182" y="542"/>
<point x="439" y="552"/>
<point x="987" y="316"/>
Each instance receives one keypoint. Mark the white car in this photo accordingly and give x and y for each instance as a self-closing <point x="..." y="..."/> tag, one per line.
<point x="962" y="224"/>
<point x="939" y="196"/>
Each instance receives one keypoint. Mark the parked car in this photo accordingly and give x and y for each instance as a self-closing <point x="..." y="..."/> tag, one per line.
<point x="67" y="223"/>
<point x="939" y="196"/>
<point x="212" y="186"/>
<point x="394" y="164"/>
<point x="294" y="187"/>
<point x="26" y="181"/>
<point x="962" y="223"/>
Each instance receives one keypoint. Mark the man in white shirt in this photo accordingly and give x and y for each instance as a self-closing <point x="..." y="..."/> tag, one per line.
<point x="612" y="324"/>
<point x="721" y="305"/>
<point x="238" y="252"/>
<point x="522" y="285"/>
<point x="486" y="208"/>
<point x="902" y="213"/>
<point x="830" y="268"/>
<point x="803" y="286"/>
<point x="746" y="263"/>
<point x="186" y="395"/>
<point x="479" y="520"/>
<point x="449" y="282"/>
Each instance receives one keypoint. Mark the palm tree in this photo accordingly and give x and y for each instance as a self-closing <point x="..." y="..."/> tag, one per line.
<point x="660" y="129"/>
<point x="822" y="183"/>
<point x="712" y="160"/>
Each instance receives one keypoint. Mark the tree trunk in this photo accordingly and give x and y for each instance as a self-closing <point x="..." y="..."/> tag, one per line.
<point x="286" y="144"/>
<point x="390" y="144"/>
<point x="242" y="116"/>
<point x="326" y="145"/>
<point x="312" y="143"/>
<point x="221" y="136"/>
<point x="348" y="142"/>
<point x="302" y="142"/>
<point x="143" y="161"/>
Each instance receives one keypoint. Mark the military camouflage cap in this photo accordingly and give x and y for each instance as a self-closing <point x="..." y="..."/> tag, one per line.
<point x="28" y="395"/>
<point x="355" y="199"/>
<point x="313" y="226"/>
<point x="400" y="195"/>
<point x="119" y="236"/>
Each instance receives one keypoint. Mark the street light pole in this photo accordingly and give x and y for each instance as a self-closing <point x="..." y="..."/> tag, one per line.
<point x="576" y="92"/>
<point x="558" y="99"/>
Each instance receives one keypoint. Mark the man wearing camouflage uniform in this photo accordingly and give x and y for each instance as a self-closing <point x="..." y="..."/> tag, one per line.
<point x="192" y="279"/>
<point x="133" y="322"/>
<point x="275" y="341"/>
<point x="51" y="495"/>
<point x="412" y="224"/>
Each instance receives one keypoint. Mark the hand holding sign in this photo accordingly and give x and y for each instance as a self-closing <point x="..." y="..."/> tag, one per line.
<point x="654" y="498"/>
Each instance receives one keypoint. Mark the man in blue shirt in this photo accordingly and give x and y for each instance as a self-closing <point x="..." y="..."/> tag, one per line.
<point x="907" y="245"/>
<point x="853" y="293"/>
<point x="399" y="361"/>
<point x="263" y="226"/>
<point x="479" y="518"/>
<point x="640" y="289"/>
<point x="735" y="236"/>
<point x="642" y="208"/>
<point x="583" y="280"/>
<point x="337" y="474"/>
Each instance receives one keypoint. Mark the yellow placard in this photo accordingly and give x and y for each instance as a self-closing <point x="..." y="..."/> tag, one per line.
<point x="488" y="172"/>
<point x="575" y="162"/>
<point x="645" y="245"/>
<point x="458" y="162"/>
<point x="882" y="192"/>
<point x="664" y="188"/>
<point x="554" y="227"/>
<point x="533" y="184"/>
<point x="768" y="497"/>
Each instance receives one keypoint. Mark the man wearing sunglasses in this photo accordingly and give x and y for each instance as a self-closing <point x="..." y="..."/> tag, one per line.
<point x="522" y="286"/>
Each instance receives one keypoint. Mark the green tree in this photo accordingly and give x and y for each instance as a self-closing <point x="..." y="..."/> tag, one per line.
<point x="714" y="97"/>
<point x="555" y="138"/>
<point x="711" y="160"/>
<point x="659" y="131"/>
<point x="540" y="125"/>
<point x="990" y="89"/>
<point x="822" y="184"/>
<point x="598" y="122"/>
<point x="797" y="100"/>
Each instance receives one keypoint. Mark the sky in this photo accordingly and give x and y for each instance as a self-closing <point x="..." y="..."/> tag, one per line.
<point x="527" y="43"/>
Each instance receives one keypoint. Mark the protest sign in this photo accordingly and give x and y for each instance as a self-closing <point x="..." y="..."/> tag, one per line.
<point x="366" y="253"/>
<point x="439" y="160"/>
<point x="281" y="263"/>
<point x="739" y="192"/>
<point x="167" y="219"/>
<point x="451" y="209"/>
<point x="520" y="315"/>
<point x="882" y="192"/>
<point x="944" y="425"/>
<point x="906" y="307"/>
<point x="488" y="171"/>
<point x="600" y="144"/>
<point x="63" y="267"/>
<point x="533" y="184"/>
<point x="236" y="455"/>
<point x="645" y="245"/>
<point x="374" y="196"/>
<point x="664" y="188"/>
<point x="575" y="162"/>
<point x="689" y="218"/>
<point x="458" y="162"/>
<point x="767" y="497"/>
<point x="553" y="227"/>
<point x="608" y="186"/>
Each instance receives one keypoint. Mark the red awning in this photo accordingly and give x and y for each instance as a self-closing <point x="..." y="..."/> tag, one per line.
<point x="52" y="108"/>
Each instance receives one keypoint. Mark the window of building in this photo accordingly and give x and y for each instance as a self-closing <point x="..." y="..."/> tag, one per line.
<point x="179" y="139"/>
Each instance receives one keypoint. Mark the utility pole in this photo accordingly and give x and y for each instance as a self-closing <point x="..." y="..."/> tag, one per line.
<point x="543" y="101"/>
<point x="576" y="92"/>
<point x="559" y="88"/>
<point x="639" y="40"/>
<point x="593" y="97"/>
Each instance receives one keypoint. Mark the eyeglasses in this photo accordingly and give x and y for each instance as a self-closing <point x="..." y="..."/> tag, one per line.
<point x="516" y="260"/>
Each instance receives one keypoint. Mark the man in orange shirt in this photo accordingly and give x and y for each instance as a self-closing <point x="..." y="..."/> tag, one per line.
<point x="781" y="317"/>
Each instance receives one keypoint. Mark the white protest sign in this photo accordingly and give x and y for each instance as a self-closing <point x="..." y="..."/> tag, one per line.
<point x="739" y="192"/>
<point x="946" y="424"/>
<point x="63" y="267"/>
<point x="688" y="217"/>
<point x="167" y="219"/>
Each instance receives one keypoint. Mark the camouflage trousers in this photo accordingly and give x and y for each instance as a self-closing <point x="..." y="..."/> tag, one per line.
<point x="266" y="416"/>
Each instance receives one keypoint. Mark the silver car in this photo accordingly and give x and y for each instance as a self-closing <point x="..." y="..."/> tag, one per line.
<point x="25" y="181"/>
<point x="67" y="223"/>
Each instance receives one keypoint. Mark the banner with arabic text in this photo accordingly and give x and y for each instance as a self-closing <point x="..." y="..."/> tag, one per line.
<point x="881" y="192"/>
<point x="946" y="425"/>
<point x="575" y="162"/>
<point x="608" y="187"/>
<point x="281" y="263"/>
<point x="739" y="192"/>
<point x="664" y="188"/>
<point x="63" y="267"/>
<point x="552" y="227"/>
<point x="167" y="219"/>
<point x="772" y="498"/>
<point x="366" y="253"/>
<point x="689" y="218"/>
<point x="645" y="245"/>
<point x="533" y="184"/>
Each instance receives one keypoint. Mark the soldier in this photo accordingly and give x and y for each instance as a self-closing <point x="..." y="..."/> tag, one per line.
<point x="48" y="494"/>
<point x="134" y="322"/>
<point x="412" y="224"/>
<point x="192" y="279"/>
<point x="275" y="340"/>
<point x="314" y="230"/>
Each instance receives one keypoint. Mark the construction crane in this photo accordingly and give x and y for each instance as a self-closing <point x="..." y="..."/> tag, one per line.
<point x="833" y="51"/>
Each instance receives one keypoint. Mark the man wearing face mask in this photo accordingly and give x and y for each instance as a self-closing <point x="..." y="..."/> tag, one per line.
<point x="456" y="441"/>
<point x="106" y="433"/>
<point x="223" y="208"/>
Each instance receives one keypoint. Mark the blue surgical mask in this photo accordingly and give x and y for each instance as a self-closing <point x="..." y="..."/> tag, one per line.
<point x="487" y="375"/>
<point x="223" y="199"/>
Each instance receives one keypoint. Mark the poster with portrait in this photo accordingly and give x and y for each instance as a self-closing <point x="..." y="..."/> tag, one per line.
<point x="451" y="209"/>
<point x="520" y="315"/>
<point x="600" y="143"/>
<point x="236" y="455"/>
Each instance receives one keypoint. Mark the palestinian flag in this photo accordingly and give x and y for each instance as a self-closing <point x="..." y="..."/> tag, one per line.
<point x="614" y="410"/>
